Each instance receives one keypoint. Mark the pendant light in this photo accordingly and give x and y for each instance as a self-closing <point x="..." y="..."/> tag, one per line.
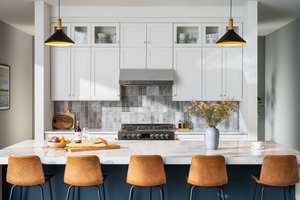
<point x="59" y="38"/>
<point x="231" y="38"/>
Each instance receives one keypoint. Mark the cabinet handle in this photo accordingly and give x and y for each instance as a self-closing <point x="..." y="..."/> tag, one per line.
<point x="148" y="42"/>
<point x="175" y="42"/>
<point x="115" y="138"/>
<point x="176" y="138"/>
<point x="220" y="95"/>
<point x="118" y="95"/>
<point x="69" y="95"/>
<point x="72" y="95"/>
<point x="118" y="42"/>
<point x="224" y="95"/>
<point x="144" y="42"/>
<point x="175" y="95"/>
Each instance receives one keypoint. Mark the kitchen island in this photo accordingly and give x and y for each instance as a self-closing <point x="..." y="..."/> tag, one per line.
<point x="240" y="159"/>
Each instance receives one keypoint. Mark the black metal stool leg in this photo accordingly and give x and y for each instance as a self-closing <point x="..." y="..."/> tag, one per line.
<point x="192" y="192"/>
<point x="262" y="192"/>
<point x="150" y="193"/>
<point x="284" y="193"/>
<point x="78" y="193"/>
<point x="68" y="193"/>
<point x="219" y="192"/>
<point x="21" y="192"/>
<point x="293" y="192"/>
<point x="254" y="192"/>
<point x="11" y="192"/>
<point x="99" y="195"/>
<point x="50" y="189"/>
<point x="161" y="192"/>
<point x="42" y="193"/>
<point x="223" y="195"/>
<point x="103" y="191"/>
<point x="189" y="192"/>
<point x="73" y="192"/>
<point x="131" y="193"/>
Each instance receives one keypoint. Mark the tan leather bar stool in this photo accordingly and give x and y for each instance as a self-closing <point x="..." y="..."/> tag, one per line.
<point x="84" y="171"/>
<point x="278" y="171"/>
<point x="207" y="171"/>
<point x="146" y="171"/>
<point x="26" y="171"/>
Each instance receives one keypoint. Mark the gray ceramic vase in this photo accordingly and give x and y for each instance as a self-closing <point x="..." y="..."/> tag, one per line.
<point x="212" y="138"/>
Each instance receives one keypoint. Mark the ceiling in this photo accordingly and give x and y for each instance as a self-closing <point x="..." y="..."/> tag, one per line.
<point x="273" y="14"/>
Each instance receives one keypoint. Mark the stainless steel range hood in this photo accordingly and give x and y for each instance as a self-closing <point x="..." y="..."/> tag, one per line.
<point x="146" y="77"/>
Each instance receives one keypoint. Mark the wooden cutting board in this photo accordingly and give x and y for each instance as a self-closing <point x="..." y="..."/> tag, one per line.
<point x="109" y="146"/>
<point x="63" y="122"/>
<point x="68" y="113"/>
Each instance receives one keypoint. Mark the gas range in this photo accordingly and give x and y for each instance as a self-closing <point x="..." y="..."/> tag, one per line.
<point x="146" y="132"/>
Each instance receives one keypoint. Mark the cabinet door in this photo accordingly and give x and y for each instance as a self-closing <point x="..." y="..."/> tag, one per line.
<point x="187" y="74"/>
<point x="187" y="35"/>
<point x="159" y="58"/>
<point x="212" y="32"/>
<point x="233" y="72"/>
<point x="105" y="74"/>
<point x="80" y="34"/>
<point x="60" y="73"/>
<point x="80" y="73"/>
<point x="159" y="35"/>
<point x="133" y="58"/>
<point x="105" y="35"/>
<point x="133" y="34"/>
<point x="212" y="74"/>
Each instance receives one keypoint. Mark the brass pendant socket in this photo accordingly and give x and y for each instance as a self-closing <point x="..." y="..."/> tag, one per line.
<point x="230" y="24"/>
<point x="58" y="24"/>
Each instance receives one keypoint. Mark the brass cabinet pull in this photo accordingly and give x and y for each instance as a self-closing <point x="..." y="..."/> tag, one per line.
<point x="72" y="95"/>
<point x="148" y="42"/>
<point x="175" y="42"/>
<point x="175" y="95"/>
<point x="118" y="95"/>
<point x="224" y="95"/>
<point x="115" y="138"/>
<point x="69" y="95"/>
<point x="118" y="42"/>
<point x="220" y="95"/>
<point x="144" y="42"/>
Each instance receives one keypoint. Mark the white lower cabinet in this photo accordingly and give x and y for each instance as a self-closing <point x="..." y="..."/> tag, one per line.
<point x="105" y="74"/>
<point x="133" y="58"/>
<point x="187" y="74"/>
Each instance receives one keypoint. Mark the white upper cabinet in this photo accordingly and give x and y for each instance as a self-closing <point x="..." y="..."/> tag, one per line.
<point x="212" y="74"/>
<point x="159" y="58"/>
<point x="81" y="34"/>
<point x="105" y="74"/>
<point x="187" y="74"/>
<point x="105" y="35"/>
<point x="133" y="35"/>
<point x="66" y="28"/>
<point x="233" y="73"/>
<point x="133" y="58"/>
<point x="60" y="73"/>
<point x="80" y="73"/>
<point x="212" y="32"/>
<point x="159" y="35"/>
<point x="187" y="35"/>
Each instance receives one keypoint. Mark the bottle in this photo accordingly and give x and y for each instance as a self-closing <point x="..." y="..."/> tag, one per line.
<point x="179" y="124"/>
<point x="184" y="124"/>
<point x="77" y="133"/>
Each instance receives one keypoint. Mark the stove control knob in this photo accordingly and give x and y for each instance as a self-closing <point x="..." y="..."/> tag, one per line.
<point x="157" y="136"/>
<point x="167" y="136"/>
<point x="123" y="136"/>
<point x="138" y="136"/>
<point x="128" y="136"/>
<point x="162" y="136"/>
<point x="152" y="136"/>
<point x="133" y="136"/>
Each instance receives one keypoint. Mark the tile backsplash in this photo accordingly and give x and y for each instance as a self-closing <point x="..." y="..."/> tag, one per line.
<point x="139" y="104"/>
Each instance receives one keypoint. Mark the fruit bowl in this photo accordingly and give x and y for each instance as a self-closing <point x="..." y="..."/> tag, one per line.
<point x="57" y="144"/>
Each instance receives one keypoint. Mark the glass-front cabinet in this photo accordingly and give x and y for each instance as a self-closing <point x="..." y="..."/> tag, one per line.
<point x="211" y="33"/>
<point x="80" y="34"/>
<point x="187" y="35"/>
<point x="66" y="28"/>
<point x="105" y="34"/>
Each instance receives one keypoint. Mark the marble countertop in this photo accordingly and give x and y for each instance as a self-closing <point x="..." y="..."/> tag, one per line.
<point x="115" y="131"/>
<point x="173" y="152"/>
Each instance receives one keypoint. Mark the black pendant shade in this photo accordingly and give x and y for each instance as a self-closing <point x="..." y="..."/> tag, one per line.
<point x="59" y="38"/>
<point x="231" y="38"/>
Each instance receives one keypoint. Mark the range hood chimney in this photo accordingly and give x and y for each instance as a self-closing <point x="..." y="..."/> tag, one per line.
<point x="146" y="77"/>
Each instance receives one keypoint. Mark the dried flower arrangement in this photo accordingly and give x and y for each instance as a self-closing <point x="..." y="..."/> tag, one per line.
<point x="213" y="113"/>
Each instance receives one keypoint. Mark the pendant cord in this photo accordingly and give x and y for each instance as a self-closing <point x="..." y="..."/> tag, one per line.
<point x="230" y="8"/>
<point x="58" y="8"/>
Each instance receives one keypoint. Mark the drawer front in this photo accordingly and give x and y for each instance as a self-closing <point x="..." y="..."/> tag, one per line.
<point x="189" y="137"/>
<point x="233" y="137"/>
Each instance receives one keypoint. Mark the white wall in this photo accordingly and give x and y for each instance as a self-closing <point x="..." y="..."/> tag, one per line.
<point x="282" y="85"/>
<point x="17" y="52"/>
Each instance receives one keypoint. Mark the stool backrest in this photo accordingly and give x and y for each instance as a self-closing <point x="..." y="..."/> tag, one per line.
<point x="208" y="171"/>
<point x="83" y="171"/>
<point x="25" y="171"/>
<point x="146" y="170"/>
<point x="279" y="170"/>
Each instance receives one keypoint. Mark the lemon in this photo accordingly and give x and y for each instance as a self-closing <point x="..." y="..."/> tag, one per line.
<point x="61" y="138"/>
<point x="67" y="140"/>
